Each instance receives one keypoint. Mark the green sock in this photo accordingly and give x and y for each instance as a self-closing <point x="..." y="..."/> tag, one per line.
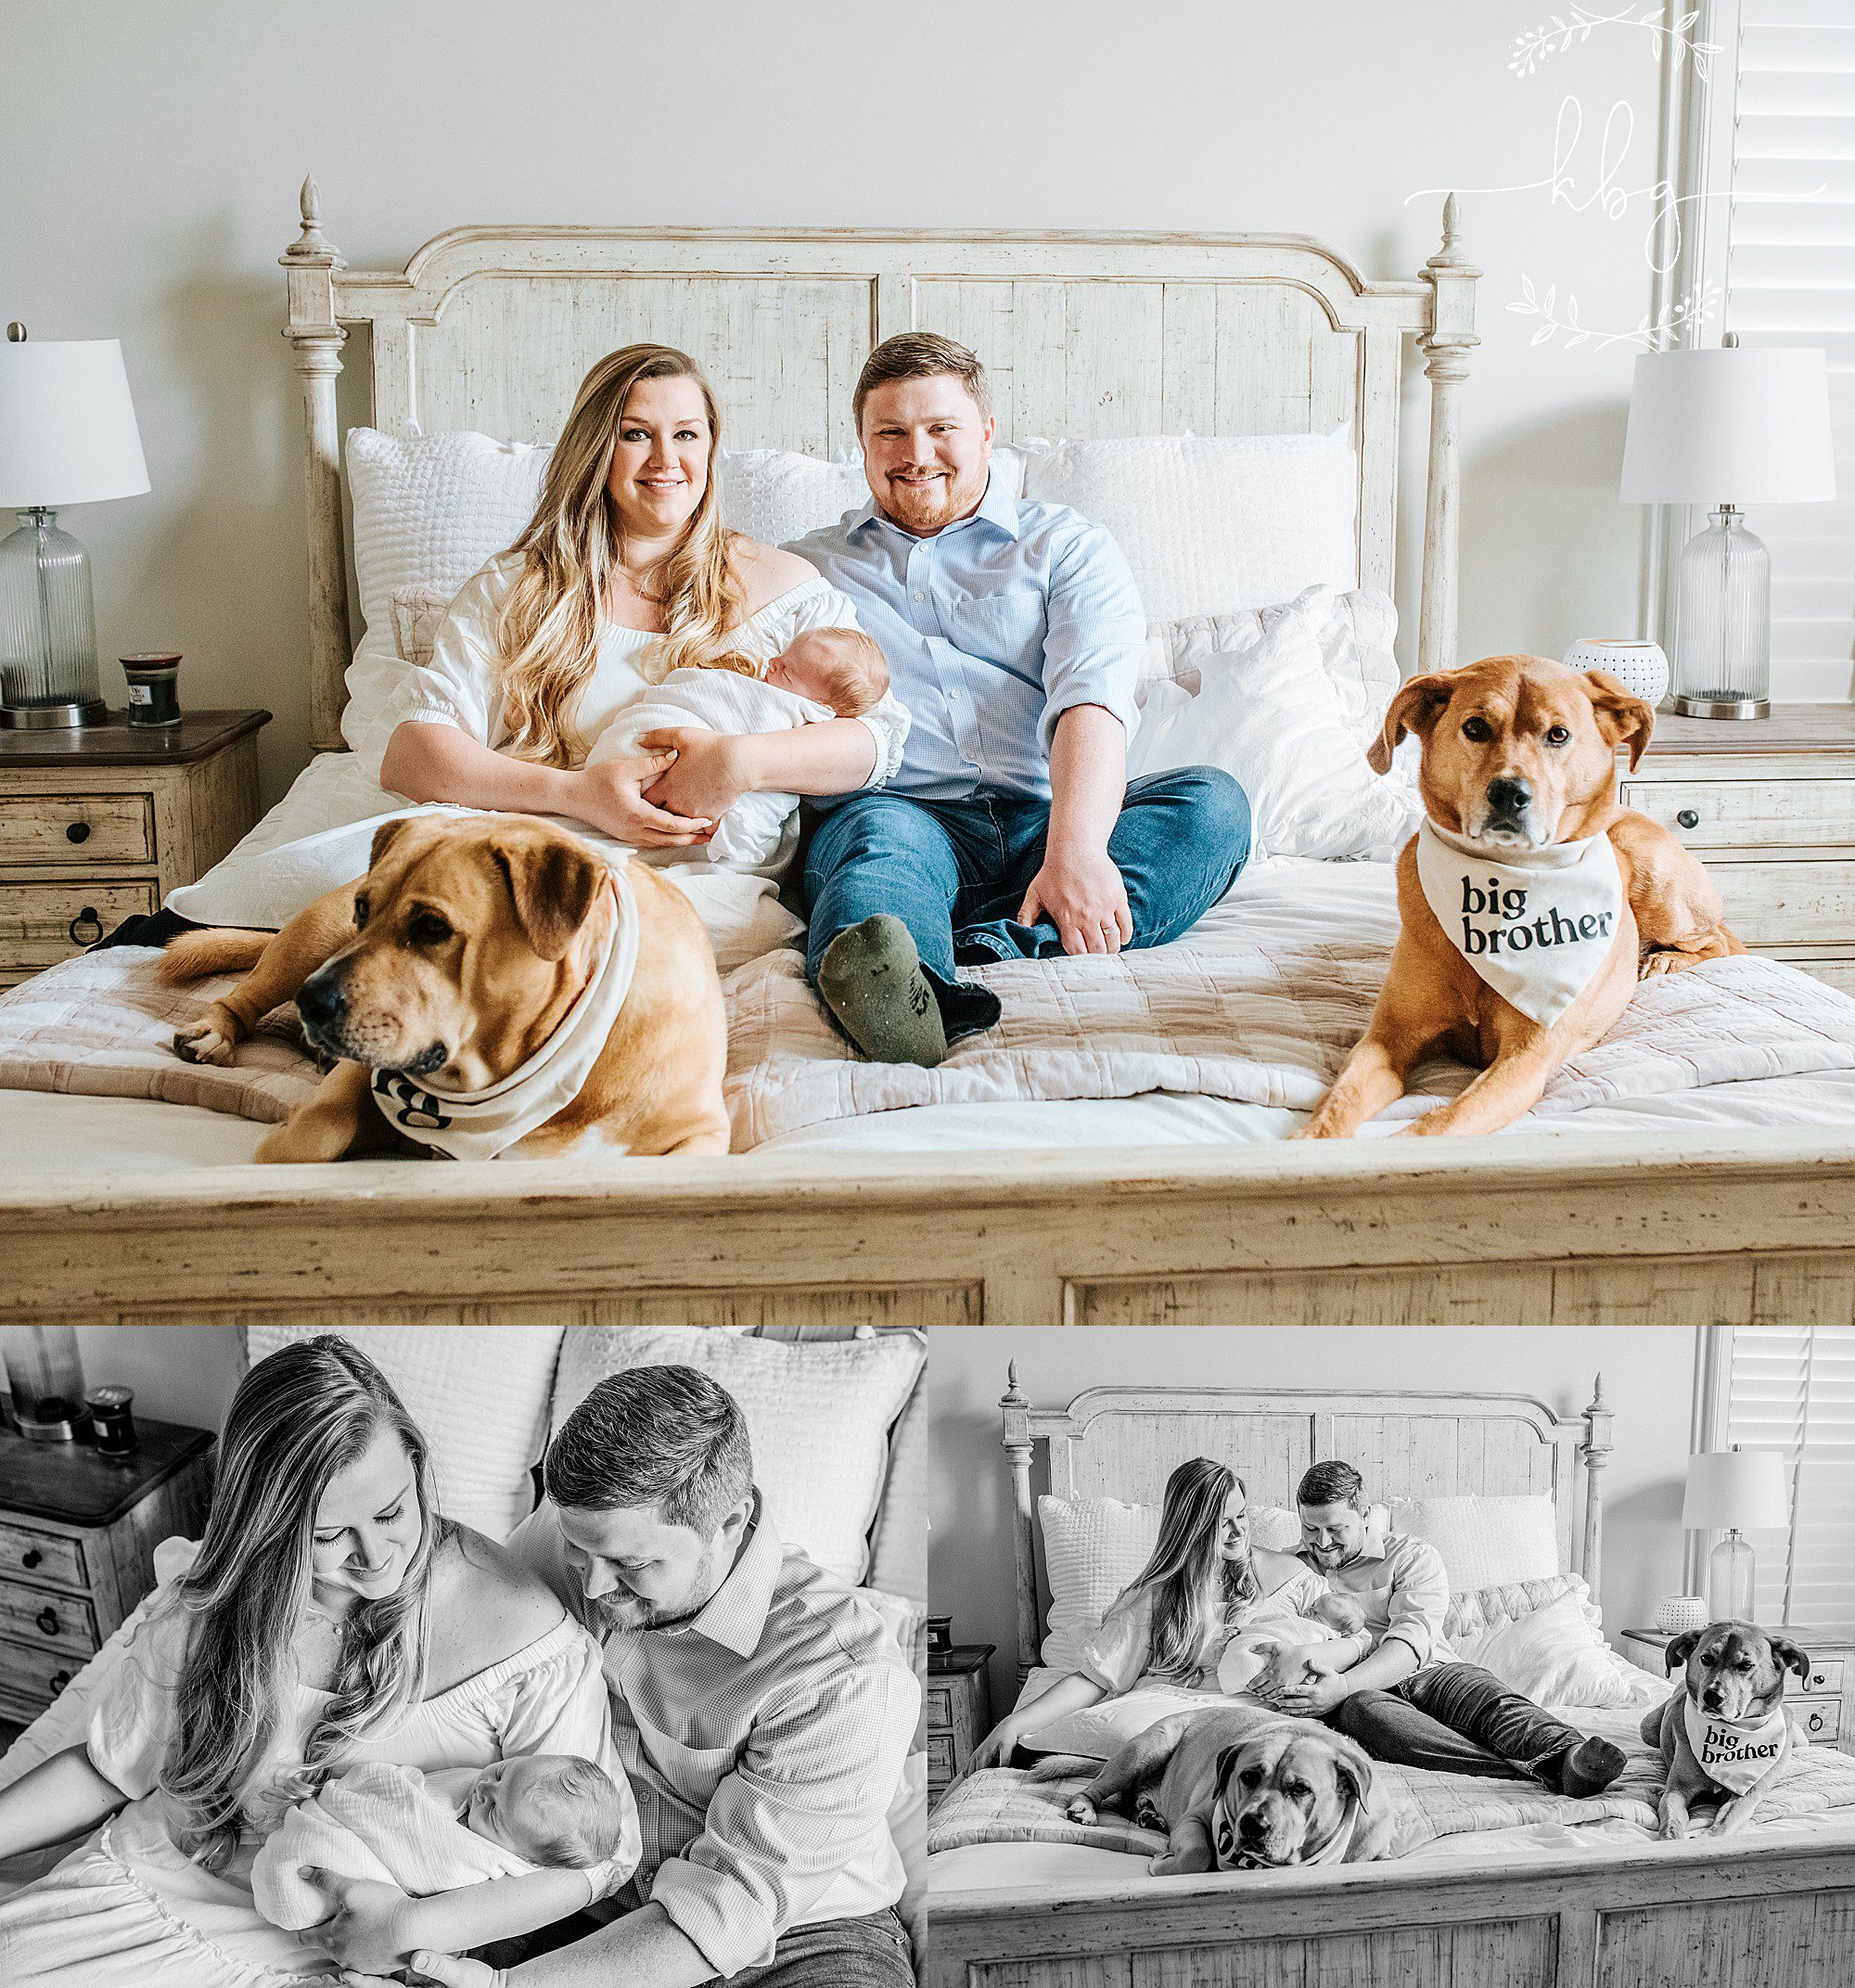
<point x="871" y="980"/>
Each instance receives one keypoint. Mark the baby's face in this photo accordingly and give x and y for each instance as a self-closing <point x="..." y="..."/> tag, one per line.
<point x="797" y="668"/>
<point x="497" y="1806"/>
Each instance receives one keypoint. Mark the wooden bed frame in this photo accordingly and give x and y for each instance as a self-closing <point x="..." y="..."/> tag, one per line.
<point x="1090" y="334"/>
<point x="1703" y="1915"/>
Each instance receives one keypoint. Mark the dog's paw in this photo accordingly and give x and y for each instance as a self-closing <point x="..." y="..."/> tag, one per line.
<point x="1652" y="964"/>
<point x="202" y="1042"/>
<point x="1672" y="1829"/>
<point x="1080" y="1809"/>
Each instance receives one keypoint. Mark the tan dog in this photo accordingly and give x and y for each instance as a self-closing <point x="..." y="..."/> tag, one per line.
<point x="457" y="956"/>
<point x="1518" y="754"/>
<point x="1729" y="1709"/>
<point x="1239" y="1788"/>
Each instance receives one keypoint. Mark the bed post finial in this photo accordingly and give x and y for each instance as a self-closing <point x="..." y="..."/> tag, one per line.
<point x="1595" y="1450"/>
<point x="1446" y="346"/>
<point x="1018" y="1443"/>
<point x="311" y="261"/>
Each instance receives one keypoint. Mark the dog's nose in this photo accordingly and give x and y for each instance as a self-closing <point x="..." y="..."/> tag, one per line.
<point x="1249" y="1827"/>
<point x="1710" y="1699"/>
<point x="1509" y="795"/>
<point x="321" y="999"/>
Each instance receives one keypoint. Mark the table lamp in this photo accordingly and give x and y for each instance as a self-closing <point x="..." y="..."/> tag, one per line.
<point x="1722" y="428"/>
<point x="67" y="435"/>
<point x="1734" y="1492"/>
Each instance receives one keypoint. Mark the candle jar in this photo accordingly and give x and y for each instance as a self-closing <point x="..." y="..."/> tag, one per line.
<point x="154" y="696"/>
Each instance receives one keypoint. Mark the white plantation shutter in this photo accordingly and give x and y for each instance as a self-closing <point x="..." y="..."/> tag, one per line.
<point x="1792" y="1388"/>
<point x="1790" y="280"/>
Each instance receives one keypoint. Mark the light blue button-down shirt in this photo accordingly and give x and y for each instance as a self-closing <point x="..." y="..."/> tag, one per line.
<point x="992" y="630"/>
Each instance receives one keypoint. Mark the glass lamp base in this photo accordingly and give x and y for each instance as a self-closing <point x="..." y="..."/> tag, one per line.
<point x="1731" y="1571"/>
<point x="1724" y="632"/>
<point x="1722" y="706"/>
<point x="52" y="717"/>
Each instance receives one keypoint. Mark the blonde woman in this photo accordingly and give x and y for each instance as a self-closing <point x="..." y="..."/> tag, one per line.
<point x="330" y="1617"/>
<point x="1204" y="1583"/>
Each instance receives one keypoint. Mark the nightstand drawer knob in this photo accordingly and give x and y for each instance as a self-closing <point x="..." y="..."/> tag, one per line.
<point x="48" y="1621"/>
<point x="87" y="916"/>
<point x="57" y="1681"/>
<point x="77" y="831"/>
<point x="31" y="1558"/>
<point x="1688" y="818"/>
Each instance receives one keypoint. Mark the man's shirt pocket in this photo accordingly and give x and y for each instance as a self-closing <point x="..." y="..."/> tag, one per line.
<point x="1006" y="628"/>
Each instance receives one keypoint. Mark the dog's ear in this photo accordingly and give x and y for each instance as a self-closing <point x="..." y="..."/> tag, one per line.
<point x="1416" y="707"/>
<point x="1353" y="1766"/>
<point x="385" y="836"/>
<point x="552" y="880"/>
<point x="1225" y="1761"/>
<point x="1679" y="1650"/>
<point x="1790" y="1656"/>
<point x="1621" y="715"/>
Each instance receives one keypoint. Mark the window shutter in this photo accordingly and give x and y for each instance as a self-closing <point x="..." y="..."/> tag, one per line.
<point x="1791" y="281"/>
<point x="1792" y="1388"/>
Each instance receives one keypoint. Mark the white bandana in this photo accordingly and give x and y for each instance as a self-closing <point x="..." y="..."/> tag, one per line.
<point x="1536" y="930"/>
<point x="482" y="1124"/>
<point x="1734" y="1756"/>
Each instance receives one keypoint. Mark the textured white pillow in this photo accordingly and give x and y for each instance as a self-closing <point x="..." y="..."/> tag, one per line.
<point x="1211" y="525"/>
<point x="1485" y="1540"/>
<point x="818" y="1414"/>
<point x="478" y="1392"/>
<point x="1093" y="1547"/>
<point x="1479" y="1611"/>
<point x="1269" y="716"/>
<point x="1556" y="1655"/>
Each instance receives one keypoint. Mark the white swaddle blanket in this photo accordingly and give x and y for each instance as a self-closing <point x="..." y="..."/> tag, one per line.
<point x="760" y="831"/>
<point x="383" y="1822"/>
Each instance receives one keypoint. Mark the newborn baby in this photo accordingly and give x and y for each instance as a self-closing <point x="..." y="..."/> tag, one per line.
<point x="824" y="672"/>
<point x="436" y="1832"/>
<point x="1251" y="1652"/>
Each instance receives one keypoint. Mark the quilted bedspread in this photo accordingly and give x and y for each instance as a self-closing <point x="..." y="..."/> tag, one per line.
<point x="1258" y="1004"/>
<point x="1006" y="1805"/>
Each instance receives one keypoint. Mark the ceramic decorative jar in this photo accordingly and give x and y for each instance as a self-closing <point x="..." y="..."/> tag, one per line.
<point x="1641" y="667"/>
<point x="1679" y="1614"/>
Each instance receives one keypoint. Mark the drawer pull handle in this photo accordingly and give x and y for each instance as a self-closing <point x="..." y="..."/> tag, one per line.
<point x="31" y="1558"/>
<point x="77" y="831"/>
<point x="1688" y="818"/>
<point x="48" y="1621"/>
<point x="58" y="1680"/>
<point x="86" y="916"/>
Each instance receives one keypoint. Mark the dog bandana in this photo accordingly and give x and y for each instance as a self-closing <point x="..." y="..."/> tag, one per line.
<point x="1332" y="1851"/>
<point x="482" y="1124"/>
<point x="1734" y="1756"/>
<point x="1536" y="930"/>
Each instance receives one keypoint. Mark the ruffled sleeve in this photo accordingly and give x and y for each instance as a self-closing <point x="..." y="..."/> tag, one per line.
<point x="1119" y="1650"/>
<point x="459" y="685"/>
<point x="132" y="1716"/>
<point x="819" y="605"/>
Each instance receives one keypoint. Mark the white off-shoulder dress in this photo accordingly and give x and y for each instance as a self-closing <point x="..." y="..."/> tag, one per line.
<point x="289" y="861"/>
<point x="129" y="1910"/>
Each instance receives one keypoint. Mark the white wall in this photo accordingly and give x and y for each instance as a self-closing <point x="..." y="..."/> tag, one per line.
<point x="1647" y="1379"/>
<point x="151" y="158"/>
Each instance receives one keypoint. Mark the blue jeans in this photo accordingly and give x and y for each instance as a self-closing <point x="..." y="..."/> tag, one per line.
<point x="1457" y="1718"/>
<point x="954" y="872"/>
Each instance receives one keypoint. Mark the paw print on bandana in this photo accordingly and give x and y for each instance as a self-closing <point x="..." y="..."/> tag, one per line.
<point x="408" y="1106"/>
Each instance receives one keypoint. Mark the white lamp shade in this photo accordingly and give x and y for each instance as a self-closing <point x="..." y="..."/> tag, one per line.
<point x="1737" y="425"/>
<point x="67" y="432"/>
<point x="1741" y="1487"/>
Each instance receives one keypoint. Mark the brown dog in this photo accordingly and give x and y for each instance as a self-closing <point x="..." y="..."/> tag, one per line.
<point x="456" y="957"/>
<point x="1238" y="1788"/>
<point x="1518" y="754"/>
<point x="1725" y="1737"/>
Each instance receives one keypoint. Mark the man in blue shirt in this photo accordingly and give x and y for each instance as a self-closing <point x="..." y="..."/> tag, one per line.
<point x="1013" y="633"/>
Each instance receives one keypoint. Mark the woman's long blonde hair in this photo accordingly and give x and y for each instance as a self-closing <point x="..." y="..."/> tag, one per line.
<point x="299" y="1416"/>
<point x="1194" y="1587"/>
<point x="548" y="633"/>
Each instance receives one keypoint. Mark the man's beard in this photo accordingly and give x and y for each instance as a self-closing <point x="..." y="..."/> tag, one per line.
<point x="928" y="507"/>
<point x="1325" y="1556"/>
<point x="629" y="1612"/>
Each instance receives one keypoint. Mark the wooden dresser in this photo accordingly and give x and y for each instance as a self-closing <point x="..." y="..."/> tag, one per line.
<point x="1823" y="1706"/>
<point x="77" y="1538"/>
<point x="99" y="823"/>
<point x="1769" y="806"/>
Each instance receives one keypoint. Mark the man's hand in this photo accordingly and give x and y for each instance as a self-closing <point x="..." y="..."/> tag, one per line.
<point x="368" y="1932"/>
<point x="1084" y="896"/>
<point x="712" y="769"/>
<point x="445" y="1968"/>
<point x="1318" y="1689"/>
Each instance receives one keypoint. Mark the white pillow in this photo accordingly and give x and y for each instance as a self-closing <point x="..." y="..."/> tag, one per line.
<point x="1093" y="1547"/>
<point x="1485" y="1540"/>
<point x="1478" y="1612"/>
<point x="1556" y="1656"/>
<point x="1211" y="525"/>
<point x="818" y="1415"/>
<point x="1098" y="1731"/>
<point x="1269" y="716"/>
<point x="478" y="1392"/>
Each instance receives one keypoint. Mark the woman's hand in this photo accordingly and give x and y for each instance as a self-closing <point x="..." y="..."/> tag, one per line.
<point x="368" y="1932"/>
<point x="995" y="1749"/>
<point x="609" y="796"/>
<point x="710" y="770"/>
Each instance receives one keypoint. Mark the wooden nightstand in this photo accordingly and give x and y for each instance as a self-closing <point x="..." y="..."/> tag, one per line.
<point x="77" y="1538"/>
<point x="1769" y="806"/>
<point x="1823" y="1706"/>
<point x="959" y="1712"/>
<point x="99" y="823"/>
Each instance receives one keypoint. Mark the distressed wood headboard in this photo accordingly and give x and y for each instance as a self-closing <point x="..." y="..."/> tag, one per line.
<point x="1124" y="1442"/>
<point x="1082" y="335"/>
